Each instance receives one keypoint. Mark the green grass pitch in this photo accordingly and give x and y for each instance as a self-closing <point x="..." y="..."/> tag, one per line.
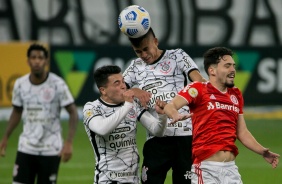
<point x="80" y="169"/>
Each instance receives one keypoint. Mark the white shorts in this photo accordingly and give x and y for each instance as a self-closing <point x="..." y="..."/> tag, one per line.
<point x="209" y="172"/>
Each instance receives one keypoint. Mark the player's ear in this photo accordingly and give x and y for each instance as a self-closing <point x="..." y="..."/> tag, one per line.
<point x="211" y="70"/>
<point x="102" y="90"/>
<point x="156" y="41"/>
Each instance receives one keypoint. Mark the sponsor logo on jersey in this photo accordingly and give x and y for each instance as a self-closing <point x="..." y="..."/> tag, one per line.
<point x="123" y="144"/>
<point x="178" y="124"/>
<point x="218" y="105"/>
<point x="153" y="85"/>
<point x="122" y="129"/>
<point x="115" y="175"/>
<point x="165" y="96"/>
<point x="188" y="175"/>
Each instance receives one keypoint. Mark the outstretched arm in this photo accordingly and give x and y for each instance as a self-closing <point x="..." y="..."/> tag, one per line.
<point x="248" y="140"/>
<point x="171" y="109"/>
<point x="13" y="122"/>
<point x="66" y="152"/>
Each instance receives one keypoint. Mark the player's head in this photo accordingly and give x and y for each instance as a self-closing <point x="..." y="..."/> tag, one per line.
<point x="146" y="47"/>
<point x="110" y="83"/>
<point x="37" y="56"/>
<point x="37" y="47"/>
<point x="220" y="66"/>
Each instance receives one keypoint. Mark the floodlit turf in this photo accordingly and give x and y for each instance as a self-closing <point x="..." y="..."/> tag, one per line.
<point x="80" y="169"/>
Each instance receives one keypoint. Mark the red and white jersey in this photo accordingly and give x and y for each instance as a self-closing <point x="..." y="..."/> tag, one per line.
<point x="215" y="118"/>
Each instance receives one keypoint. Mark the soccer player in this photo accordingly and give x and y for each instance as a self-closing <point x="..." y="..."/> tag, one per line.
<point x="161" y="74"/>
<point x="111" y="122"/>
<point x="38" y="98"/>
<point x="217" y="120"/>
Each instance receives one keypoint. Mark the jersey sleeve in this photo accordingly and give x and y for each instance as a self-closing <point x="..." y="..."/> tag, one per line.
<point x="192" y="92"/>
<point x="185" y="62"/>
<point x="66" y="97"/>
<point x="16" y="97"/>
<point x="93" y="119"/>
<point x="241" y="101"/>
<point x="129" y="75"/>
<point x="156" y="126"/>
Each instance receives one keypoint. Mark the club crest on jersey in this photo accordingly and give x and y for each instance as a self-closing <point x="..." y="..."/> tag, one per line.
<point x="132" y="113"/>
<point x="234" y="99"/>
<point x="47" y="94"/>
<point x="193" y="92"/>
<point x="113" y="175"/>
<point x="165" y="67"/>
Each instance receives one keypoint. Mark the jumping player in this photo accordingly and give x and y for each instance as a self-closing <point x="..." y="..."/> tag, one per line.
<point x="161" y="74"/>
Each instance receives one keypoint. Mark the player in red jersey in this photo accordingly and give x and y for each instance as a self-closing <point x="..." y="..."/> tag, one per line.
<point x="217" y="121"/>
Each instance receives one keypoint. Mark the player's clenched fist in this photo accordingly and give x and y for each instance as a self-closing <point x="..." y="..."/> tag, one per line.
<point x="128" y="96"/>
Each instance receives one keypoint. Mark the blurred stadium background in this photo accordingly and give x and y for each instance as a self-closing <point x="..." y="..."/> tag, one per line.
<point x="83" y="35"/>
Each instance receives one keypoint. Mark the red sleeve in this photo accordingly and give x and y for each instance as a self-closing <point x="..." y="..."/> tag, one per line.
<point x="191" y="92"/>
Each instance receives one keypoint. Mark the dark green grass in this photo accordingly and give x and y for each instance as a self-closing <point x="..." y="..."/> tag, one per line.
<point x="80" y="169"/>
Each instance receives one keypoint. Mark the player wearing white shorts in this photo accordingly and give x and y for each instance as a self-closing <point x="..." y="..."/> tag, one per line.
<point x="111" y="125"/>
<point x="38" y="98"/>
<point x="218" y="120"/>
<point x="161" y="74"/>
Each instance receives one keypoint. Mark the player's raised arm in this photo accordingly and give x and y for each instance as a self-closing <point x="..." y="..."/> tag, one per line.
<point x="171" y="109"/>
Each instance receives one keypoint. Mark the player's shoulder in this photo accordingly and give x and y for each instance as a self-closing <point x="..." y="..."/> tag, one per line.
<point x="54" y="78"/>
<point x="137" y="61"/>
<point x="199" y="84"/>
<point x="235" y="90"/>
<point x="23" y="78"/>
<point x="91" y="104"/>
<point x="196" y="85"/>
<point x="175" y="51"/>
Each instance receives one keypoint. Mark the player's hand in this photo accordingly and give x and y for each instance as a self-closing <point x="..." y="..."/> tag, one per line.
<point x="128" y="96"/>
<point x="3" y="146"/>
<point x="143" y="96"/>
<point x="66" y="152"/>
<point x="180" y="117"/>
<point x="270" y="157"/>
<point x="160" y="106"/>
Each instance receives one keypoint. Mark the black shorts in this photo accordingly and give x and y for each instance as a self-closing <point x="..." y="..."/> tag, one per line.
<point x="162" y="153"/>
<point x="43" y="169"/>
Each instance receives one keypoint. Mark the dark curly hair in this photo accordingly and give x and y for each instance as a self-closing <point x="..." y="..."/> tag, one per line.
<point x="36" y="46"/>
<point x="213" y="56"/>
<point x="101" y="74"/>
